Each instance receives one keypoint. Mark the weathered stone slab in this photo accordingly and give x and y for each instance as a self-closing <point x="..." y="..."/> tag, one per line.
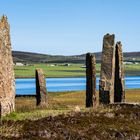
<point x="90" y="80"/>
<point x="7" y="80"/>
<point x="106" y="84"/>
<point x="119" y="89"/>
<point x="41" y="91"/>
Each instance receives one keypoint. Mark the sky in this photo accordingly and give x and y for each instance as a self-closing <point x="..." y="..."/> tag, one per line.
<point x="71" y="27"/>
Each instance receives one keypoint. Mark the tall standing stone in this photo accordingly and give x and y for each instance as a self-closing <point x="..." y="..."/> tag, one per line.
<point x="90" y="80"/>
<point x="41" y="91"/>
<point x="7" y="80"/>
<point x="119" y="90"/>
<point x="106" y="84"/>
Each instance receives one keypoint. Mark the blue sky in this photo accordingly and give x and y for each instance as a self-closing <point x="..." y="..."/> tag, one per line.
<point x="69" y="27"/>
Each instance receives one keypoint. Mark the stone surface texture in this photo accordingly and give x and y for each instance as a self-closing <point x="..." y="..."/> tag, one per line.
<point x="106" y="84"/>
<point x="90" y="80"/>
<point x="119" y="89"/>
<point x="41" y="91"/>
<point x="7" y="80"/>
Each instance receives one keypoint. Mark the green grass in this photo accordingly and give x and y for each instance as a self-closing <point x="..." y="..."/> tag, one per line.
<point x="58" y="103"/>
<point x="74" y="70"/>
<point x="50" y="71"/>
<point x="132" y="69"/>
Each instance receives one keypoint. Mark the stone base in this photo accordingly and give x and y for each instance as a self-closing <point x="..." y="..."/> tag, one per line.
<point x="6" y="106"/>
<point x="104" y="97"/>
<point x="124" y="105"/>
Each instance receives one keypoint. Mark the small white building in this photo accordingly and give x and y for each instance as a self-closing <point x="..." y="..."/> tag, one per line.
<point x="52" y="65"/>
<point x="136" y="63"/>
<point x="84" y="66"/>
<point x="19" y="64"/>
<point x="127" y="63"/>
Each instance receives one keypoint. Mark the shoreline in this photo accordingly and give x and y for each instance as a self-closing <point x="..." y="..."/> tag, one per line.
<point x="67" y="92"/>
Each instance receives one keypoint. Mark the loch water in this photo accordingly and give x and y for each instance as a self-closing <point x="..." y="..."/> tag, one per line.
<point x="27" y="86"/>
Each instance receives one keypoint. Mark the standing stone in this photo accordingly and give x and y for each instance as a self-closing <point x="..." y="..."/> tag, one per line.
<point x="7" y="80"/>
<point x="106" y="84"/>
<point x="119" y="90"/>
<point x="41" y="92"/>
<point x="90" y="80"/>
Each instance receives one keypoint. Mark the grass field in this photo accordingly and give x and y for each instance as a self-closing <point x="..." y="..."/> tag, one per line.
<point x="74" y="70"/>
<point x="50" y="71"/>
<point x="62" y="102"/>
<point x="61" y="119"/>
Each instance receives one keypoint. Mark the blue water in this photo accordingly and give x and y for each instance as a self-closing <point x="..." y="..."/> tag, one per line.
<point x="27" y="86"/>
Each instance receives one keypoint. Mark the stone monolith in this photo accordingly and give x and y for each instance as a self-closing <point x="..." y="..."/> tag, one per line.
<point x="90" y="80"/>
<point x="7" y="80"/>
<point x="106" y="84"/>
<point x="41" y="91"/>
<point x="119" y="90"/>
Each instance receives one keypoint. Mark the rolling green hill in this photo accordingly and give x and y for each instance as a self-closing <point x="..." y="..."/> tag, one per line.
<point x="28" y="57"/>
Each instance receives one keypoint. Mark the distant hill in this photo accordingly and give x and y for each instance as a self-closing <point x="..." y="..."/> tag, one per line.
<point x="28" y="57"/>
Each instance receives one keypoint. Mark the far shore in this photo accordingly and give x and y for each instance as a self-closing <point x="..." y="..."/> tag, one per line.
<point x="74" y="70"/>
<point x="28" y="77"/>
